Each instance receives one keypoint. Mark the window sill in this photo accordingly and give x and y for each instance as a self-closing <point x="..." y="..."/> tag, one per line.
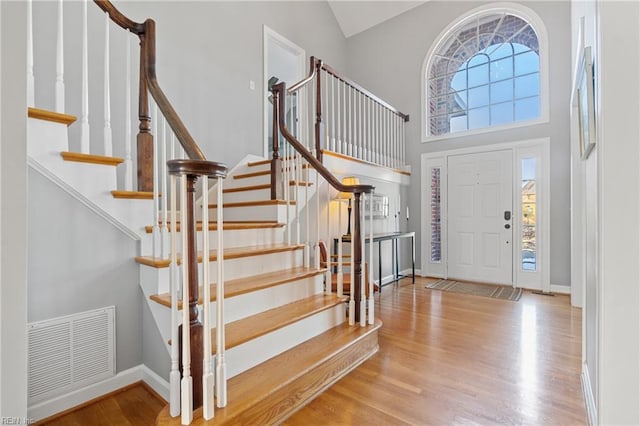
<point x="516" y="125"/>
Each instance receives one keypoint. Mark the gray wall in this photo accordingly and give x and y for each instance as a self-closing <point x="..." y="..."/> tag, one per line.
<point x="13" y="203"/>
<point x="388" y="60"/>
<point x="79" y="262"/>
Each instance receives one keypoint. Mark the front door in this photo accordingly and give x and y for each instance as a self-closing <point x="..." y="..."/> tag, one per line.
<point x="480" y="217"/>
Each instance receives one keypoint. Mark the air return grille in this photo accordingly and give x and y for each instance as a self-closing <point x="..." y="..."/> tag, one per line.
<point x="70" y="352"/>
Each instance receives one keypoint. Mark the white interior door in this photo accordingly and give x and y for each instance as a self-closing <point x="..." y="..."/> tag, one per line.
<point x="480" y="217"/>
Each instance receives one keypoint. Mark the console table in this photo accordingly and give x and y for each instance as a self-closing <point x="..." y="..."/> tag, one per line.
<point x="393" y="237"/>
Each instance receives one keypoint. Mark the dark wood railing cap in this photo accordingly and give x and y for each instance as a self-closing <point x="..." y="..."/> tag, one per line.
<point x="119" y="18"/>
<point x="197" y="168"/>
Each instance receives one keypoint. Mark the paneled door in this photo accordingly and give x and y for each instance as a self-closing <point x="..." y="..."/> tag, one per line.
<point x="480" y="217"/>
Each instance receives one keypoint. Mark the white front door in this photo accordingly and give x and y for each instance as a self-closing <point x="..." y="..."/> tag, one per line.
<point x="480" y="217"/>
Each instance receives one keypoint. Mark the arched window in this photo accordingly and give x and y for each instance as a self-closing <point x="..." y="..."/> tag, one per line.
<point x="485" y="71"/>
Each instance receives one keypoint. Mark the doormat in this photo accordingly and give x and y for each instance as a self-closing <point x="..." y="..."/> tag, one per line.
<point x="476" y="289"/>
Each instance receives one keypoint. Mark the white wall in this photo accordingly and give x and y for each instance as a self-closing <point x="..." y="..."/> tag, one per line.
<point x="13" y="226"/>
<point x="388" y="59"/>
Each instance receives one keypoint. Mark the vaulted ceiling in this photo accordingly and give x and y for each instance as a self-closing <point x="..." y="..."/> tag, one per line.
<point x="357" y="16"/>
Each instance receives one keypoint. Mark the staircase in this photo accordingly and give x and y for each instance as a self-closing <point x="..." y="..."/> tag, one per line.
<point x="287" y="339"/>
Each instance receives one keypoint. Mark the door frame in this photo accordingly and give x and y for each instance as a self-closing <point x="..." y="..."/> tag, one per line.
<point x="540" y="148"/>
<point x="269" y="37"/>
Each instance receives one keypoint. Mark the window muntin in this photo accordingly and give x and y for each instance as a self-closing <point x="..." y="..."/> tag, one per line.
<point x="486" y="73"/>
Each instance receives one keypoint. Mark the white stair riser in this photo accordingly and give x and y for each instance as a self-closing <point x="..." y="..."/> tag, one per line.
<point x="256" y="351"/>
<point x="46" y="137"/>
<point x="252" y="195"/>
<point x="245" y="305"/>
<point x="233" y="268"/>
<point x="238" y="237"/>
<point x="232" y="182"/>
<point x="255" y="213"/>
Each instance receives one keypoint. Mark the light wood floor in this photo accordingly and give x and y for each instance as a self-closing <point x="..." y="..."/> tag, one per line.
<point x="444" y="359"/>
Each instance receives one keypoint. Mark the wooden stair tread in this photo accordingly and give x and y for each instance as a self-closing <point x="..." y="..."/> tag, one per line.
<point x="229" y="253"/>
<point x="91" y="159"/>
<point x="273" y="390"/>
<point x="252" y="174"/>
<point x="246" y="329"/>
<point x="258" y="163"/>
<point x="56" y="117"/>
<point x="213" y="226"/>
<point x="134" y="195"/>
<point x="255" y="203"/>
<point x="248" y="284"/>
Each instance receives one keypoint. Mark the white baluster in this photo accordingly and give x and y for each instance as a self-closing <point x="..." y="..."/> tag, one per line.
<point x="186" y="388"/>
<point x="85" y="144"/>
<point x="59" y="101"/>
<point x="370" y="267"/>
<point x="164" y="231"/>
<point x="30" y="77"/>
<point x="108" y="141"/>
<point x="325" y="115"/>
<point x="363" y="284"/>
<point x="174" y="376"/>
<point x="221" y="365"/>
<point x="328" y="240"/>
<point x="352" y="302"/>
<point x="157" y="236"/>
<point x="207" y="374"/>
<point x="128" y="165"/>
<point x="333" y="114"/>
<point x="317" y="244"/>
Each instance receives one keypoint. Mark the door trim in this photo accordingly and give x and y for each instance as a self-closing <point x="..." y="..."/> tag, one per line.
<point x="270" y="36"/>
<point x="540" y="279"/>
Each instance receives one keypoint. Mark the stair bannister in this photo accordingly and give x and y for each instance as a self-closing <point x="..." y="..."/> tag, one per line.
<point x="306" y="152"/>
<point x="196" y="387"/>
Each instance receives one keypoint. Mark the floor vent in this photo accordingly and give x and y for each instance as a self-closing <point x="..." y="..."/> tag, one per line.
<point x="70" y="352"/>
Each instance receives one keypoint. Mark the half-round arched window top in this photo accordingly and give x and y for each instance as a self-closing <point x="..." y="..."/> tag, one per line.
<point x="487" y="70"/>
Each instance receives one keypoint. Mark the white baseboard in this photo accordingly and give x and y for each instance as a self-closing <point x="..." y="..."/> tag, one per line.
<point x="157" y="383"/>
<point x="592" y="412"/>
<point x="560" y="289"/>
<point x="80" y="396"/>
<point x="389" y="278"/>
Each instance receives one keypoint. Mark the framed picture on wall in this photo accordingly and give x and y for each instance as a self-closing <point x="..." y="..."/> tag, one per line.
<point x="380" y="206"/>
<point x="586" y="104"/>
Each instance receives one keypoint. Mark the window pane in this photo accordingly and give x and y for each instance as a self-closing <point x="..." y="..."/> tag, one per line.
<point x="478" y="97"/>
<point x="477" y="60"/>
<point x="501" y="113"/>
<point x="478" y="118"/>
<point x="519" y="48"/>
<point x="528" y="207"/>
<point x="436" y="245"/>
<point x="439" y="124"/>
<point x="502" y="69"/>
<point x="500" y="51"/>
<point x="458" y="123"/>
<point x="479" y="75"/>
<point x="527" y="109"/>
<point x="526" y="63"/>
<point x="502" y="91"/>
<point x="459" y="80"/>
<point x="528" y="85"/>
<point x="459" y="101"/>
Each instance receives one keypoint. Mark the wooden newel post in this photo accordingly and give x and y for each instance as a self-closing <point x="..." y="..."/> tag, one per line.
<point x="276" y="162"/>
<point x="190" y="257"/>
<point x="356" y="240"/>
<point x="145" y="138"/>
<point x="319" y="127"/>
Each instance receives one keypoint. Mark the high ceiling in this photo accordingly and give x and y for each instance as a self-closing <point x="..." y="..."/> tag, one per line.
<point x="357" y="16"/>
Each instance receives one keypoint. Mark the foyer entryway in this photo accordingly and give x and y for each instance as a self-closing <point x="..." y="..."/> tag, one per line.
<point x="480" y="208"/>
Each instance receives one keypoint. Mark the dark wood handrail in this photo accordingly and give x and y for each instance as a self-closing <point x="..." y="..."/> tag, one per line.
<point x="117" y="17"/>
<point x="279" y="91"/>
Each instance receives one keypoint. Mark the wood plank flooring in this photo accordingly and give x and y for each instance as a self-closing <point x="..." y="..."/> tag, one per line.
<point x="444" y="359"/>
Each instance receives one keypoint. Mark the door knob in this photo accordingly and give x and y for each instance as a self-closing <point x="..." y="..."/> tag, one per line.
<point x="507" y="226"/>
<point x="507" y="215"/>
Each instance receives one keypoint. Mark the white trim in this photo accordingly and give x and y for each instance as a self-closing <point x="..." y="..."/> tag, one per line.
<point x="540" y="29"/>
<point x="544" y="212"/>
<point x="560" y="289"/>
<point x="484" y="130"/>
<point x="35" y="165"/>
<point x="269" y="35"/>
<point x="80" y="396"/>
<point x="155" y="382"/>
<point x="589" y="401"/>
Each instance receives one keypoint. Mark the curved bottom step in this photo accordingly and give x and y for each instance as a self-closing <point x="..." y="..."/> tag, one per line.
<point x="273" y="390"/>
